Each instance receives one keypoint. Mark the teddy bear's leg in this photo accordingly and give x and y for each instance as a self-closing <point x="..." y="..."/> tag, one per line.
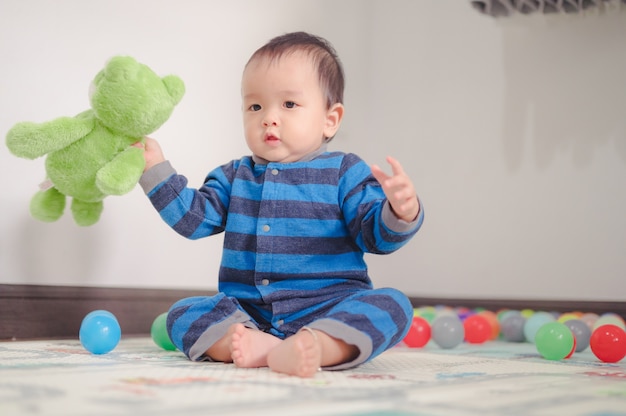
<point x="47" y="205"/>
<point x="86" y="213"/>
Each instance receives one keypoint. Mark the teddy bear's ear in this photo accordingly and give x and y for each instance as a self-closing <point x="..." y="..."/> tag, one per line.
<point x="120" y="67"/>
<point x="175" y="86"/>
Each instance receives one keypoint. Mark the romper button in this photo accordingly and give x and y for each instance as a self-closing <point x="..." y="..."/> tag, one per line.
<point x="265" y="282"/>
<point x="274" y="172"/>
<point x="266" y="228"/>
<point x="280" y="322"/>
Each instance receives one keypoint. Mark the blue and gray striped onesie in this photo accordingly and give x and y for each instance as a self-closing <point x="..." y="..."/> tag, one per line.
<point x="295" y="238"/>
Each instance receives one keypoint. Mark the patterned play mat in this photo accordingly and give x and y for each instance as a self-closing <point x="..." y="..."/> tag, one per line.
<point x="139" y="378"/>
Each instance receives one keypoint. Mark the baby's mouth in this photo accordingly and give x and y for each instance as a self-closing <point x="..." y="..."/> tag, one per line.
<point x="270" y="138"/>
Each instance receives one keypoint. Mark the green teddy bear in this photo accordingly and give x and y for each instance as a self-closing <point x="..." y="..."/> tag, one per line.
<point x="91" y="155"/>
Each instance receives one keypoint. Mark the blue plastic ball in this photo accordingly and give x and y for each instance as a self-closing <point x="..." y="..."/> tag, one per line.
<point x="534" y="322"/>
<point x="100" y="332"/>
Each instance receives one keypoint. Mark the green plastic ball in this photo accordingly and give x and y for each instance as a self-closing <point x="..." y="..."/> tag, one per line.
<point x="554" y="341"/>
<point x="158" y="331"/>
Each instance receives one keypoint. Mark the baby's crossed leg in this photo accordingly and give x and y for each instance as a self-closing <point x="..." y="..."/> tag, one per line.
<point x="298" y="355"/>
<point x="302" y="354"/>
<point x="249" y="347"/>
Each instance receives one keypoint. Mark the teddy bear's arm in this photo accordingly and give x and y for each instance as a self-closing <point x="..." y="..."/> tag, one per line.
<point x="32" y="140"/>
<point x="122" y="173"/>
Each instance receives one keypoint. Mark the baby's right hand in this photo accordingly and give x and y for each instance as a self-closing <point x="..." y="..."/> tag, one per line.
<point x="152" y="152"/>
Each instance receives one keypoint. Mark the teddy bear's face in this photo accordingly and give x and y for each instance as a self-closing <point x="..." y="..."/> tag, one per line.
<point x="130" y="99"/>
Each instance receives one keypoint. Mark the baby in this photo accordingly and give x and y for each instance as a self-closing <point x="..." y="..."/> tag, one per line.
<point x="294" y="292"/>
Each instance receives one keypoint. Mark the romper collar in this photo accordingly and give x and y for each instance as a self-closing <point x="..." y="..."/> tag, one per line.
<point x="306" y="158"/>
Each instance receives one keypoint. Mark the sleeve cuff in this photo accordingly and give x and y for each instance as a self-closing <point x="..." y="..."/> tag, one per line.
<point x="155" y="175"/>
<point x="397" y="225"/>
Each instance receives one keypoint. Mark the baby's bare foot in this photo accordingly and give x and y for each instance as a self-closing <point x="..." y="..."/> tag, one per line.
<point x="249" y="347"/>
<point x="299" y="355"/>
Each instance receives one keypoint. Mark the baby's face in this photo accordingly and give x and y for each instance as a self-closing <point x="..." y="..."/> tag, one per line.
<point x="284" y="108"/>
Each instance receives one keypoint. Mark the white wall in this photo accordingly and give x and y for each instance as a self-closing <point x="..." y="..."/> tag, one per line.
<point x="513" y="130"/>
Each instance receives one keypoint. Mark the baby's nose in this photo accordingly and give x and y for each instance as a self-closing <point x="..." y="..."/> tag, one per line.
<point x="270" y="120"/>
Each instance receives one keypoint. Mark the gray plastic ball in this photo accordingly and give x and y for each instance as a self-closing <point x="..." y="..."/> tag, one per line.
<point x="581" y="332"/>
<point x="512" y="328"/>
<point x="447" y="331"/>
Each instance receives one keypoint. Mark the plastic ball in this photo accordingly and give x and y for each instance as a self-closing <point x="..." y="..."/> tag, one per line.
<point x="159" y="334"/>
<point x="512" y="328"/>
<point x="608" y="343"/>
<point x="447" y="331"/>
<point x="610" y="319"/>
<point x="99" y="332"/>
<point x="492" y="318"/>
<point x="419" y="333"/>
<point x="572" y="350"/>
<point x="564" y="317"/>
<point x="443" y="311"/>
<point x="536" y="321"/>
<point x="581" y="332"/>
<point x="590" y="319"/>
<point x="477" y="329"/>
<point x="503" y="313"/>
<point x="464" y="314"/>
<point x="554" y="341"/>
<point x="429" y="316"/>
<point x="426" y="312"/>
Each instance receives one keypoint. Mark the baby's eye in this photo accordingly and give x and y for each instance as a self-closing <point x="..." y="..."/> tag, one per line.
<point x="290" y="104"/>
<point x="255" y="107"/>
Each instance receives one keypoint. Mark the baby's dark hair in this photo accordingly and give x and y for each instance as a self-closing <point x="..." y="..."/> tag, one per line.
<point x="322" y="53"/>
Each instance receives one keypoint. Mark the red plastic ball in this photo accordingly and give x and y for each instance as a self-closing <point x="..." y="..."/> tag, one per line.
<point x="492" y="318"/>
<point x="573" y="349"/>
<point x="419" y="333"/>
<point x="608" y="343"/>
<point x="477" y="329"/>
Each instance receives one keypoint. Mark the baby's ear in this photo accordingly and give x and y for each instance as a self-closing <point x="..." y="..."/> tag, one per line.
<point x="175" y="86"/>
<point x="334" y="115"/>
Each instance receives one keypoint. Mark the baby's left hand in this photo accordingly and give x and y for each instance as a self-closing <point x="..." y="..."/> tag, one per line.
<point x="399" y="190"/>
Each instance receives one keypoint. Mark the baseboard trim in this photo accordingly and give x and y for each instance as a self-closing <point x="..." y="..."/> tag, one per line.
<point x="55" y="312"/>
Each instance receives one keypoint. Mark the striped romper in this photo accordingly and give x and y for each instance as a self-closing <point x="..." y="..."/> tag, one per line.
<point x="295" y="238"/>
